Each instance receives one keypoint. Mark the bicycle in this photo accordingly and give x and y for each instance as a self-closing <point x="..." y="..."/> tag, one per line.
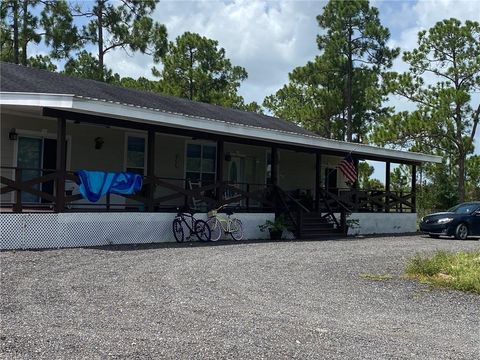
<point x="228" y="225"/>
<point x="195" y="226"/>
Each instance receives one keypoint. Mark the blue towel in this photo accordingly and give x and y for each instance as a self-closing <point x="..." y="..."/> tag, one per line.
<point x="95" y="184"/>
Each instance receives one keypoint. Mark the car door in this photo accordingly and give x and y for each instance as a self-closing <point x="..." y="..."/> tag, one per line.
<point x="474" y="223"/>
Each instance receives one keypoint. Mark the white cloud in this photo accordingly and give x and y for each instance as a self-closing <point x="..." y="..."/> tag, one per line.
<point x="268" y="38"/>
<point x="271" y="38"/>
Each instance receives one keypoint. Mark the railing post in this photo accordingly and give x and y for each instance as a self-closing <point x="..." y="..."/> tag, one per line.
<point x="401" y="204"/>
<point x="387" y="186"/>
<point x="356" y="186"/>
<point x="318" y="166"/>
<point x="274" y="165"/>
<point x="219" y="178"/>
<point x="61" y="164"/>
<point x="414" y="189"/>
<point x="343" y="221"/>
<point x="17" y="207"/>
<point x="150" y="170"/>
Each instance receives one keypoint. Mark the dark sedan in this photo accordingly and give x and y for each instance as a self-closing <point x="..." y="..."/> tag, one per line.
<point x="460" y="221"/>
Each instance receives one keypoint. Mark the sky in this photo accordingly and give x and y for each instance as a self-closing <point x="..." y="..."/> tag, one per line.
<point x="271" y="38"/>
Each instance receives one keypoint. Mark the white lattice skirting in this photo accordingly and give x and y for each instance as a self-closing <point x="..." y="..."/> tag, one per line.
<point x="64" y="230"/>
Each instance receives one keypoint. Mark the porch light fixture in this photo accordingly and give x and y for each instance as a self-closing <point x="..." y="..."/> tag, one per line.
<point x="228" y="157"/>
<point x="99" y="142"/>
<point x="12" y="135"/>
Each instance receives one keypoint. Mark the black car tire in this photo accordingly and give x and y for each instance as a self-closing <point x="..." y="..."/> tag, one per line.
<point x="434" y="236"/>
<point x="461" y="232"/>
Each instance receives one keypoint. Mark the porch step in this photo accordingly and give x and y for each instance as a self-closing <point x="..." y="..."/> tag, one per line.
<point x="322" y="234"/>
<point x="315" y="226"/>
<point x="318" y="225"/>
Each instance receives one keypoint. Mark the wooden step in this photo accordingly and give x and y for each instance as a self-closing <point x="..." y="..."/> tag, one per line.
<point x="322" y="234"/>
<point x="313" y="226"/>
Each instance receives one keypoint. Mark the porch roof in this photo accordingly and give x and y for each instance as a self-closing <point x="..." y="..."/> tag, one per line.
<point x="25" y="86"/>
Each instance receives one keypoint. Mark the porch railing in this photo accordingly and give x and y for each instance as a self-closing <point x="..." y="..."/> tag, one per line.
<point x="157" y="194"/>
<point x="167" y="194"/>
<point x="358" y="200"/>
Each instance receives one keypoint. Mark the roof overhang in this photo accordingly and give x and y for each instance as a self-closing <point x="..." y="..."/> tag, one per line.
<point x="152" y="116"/>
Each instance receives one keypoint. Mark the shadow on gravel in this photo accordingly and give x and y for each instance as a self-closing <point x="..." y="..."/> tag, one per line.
<point x="169" y="245"/>
<point x="448" y="238"/>
<point x="199" y="244"/>
<point x="195" y="244"/>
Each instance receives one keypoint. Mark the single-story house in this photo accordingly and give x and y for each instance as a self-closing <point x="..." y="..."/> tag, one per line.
<point x="189" y="154"/>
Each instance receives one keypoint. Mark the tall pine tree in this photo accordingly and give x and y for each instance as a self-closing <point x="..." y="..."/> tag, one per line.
<point x="339" y="93"/>
<point x="447" y="115"/>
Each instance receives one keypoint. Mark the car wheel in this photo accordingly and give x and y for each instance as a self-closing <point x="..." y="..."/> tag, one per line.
<point x="434" y="236"/>
<point x="461" y="232"/>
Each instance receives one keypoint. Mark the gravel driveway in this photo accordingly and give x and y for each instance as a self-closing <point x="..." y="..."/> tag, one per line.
<point x="237" y="300"/>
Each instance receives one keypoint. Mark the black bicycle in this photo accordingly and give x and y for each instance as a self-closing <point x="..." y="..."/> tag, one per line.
<point x="186" y="221"/>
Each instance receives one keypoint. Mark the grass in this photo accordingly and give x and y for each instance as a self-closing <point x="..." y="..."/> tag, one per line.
<point x="460" y="271"/>
<point x="376" y="277"/>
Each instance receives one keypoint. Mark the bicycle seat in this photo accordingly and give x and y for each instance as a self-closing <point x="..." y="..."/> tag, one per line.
<point x="228" y="212"/>
<point x="184" y="210"/>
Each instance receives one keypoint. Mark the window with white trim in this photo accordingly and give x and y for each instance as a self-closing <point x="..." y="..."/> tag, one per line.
<point x="201" y="163"/>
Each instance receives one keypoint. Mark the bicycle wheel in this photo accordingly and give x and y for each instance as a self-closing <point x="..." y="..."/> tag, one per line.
<point x="202" y="230"/>
<point x="236" y="229"/>
<point x="178" y="230"/>
<point x="215" y="228"/>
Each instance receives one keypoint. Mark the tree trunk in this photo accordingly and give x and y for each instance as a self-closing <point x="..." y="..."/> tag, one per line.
<point x="100" y="39"/>
<point x="461" y="177"/>
<point x="462" y="152"/>
<point x="24" y="32"/>
<point x="15" y="32"/>
<point x="190" y="77"/>
<point x="349" y="87"/>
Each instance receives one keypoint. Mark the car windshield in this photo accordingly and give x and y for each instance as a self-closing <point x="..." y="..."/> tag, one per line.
<point x="464" y="208"/>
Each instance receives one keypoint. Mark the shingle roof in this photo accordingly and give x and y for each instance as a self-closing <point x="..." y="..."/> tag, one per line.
<point x="18" y="78"/>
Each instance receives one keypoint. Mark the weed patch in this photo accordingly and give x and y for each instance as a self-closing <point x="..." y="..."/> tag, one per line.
<point x="460" y="271"/>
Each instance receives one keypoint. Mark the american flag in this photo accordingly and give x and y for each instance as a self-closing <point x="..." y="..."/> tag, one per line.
<point x="347" y="167"/>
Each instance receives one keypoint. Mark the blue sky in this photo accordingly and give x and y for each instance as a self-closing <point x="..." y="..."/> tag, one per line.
<point x="270" y="38"/>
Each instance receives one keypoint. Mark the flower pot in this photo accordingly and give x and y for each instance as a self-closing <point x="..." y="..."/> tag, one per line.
<point x="275" y="234"/>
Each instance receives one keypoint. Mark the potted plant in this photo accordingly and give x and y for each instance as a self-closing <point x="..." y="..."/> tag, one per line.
<point x="275" y="228"/>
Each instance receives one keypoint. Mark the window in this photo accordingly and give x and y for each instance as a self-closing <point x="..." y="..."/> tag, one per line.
<point x="201" y="163"/>
<point x="135" y="159"/>
<point x="30" y="155"/>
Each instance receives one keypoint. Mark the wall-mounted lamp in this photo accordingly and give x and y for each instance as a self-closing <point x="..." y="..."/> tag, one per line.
<point x="12" y="135"/>
<point x="228" y="157"/>
<point x="99" y="142"/>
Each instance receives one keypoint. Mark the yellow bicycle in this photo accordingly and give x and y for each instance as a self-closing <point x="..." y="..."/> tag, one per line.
<point x="226" y="224"/>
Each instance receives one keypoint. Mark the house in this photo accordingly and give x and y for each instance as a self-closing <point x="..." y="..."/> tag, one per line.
<point x="189" y="153"/>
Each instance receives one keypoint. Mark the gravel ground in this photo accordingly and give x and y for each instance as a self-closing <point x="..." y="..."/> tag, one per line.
<point x="233" y="300"/>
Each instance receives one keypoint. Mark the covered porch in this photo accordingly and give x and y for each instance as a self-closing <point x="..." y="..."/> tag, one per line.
<point x="43" y="148"/>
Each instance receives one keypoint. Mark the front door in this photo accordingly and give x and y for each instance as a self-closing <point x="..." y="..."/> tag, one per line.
<point x="35" y="154"/>
<point x="331" y="180"/>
